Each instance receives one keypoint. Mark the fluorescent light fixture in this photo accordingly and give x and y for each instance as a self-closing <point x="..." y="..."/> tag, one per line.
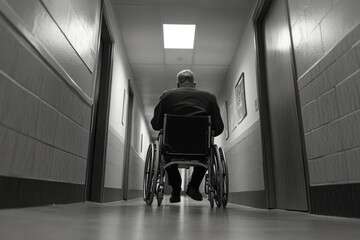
<point x="179" y="36"/>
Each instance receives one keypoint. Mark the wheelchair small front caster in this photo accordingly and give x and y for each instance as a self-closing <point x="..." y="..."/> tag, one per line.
<point x="211" y="198"/>
<point x="160" y="196"/>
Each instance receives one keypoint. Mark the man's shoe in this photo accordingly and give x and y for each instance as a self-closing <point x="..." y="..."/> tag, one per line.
<point x="175" y="197"/>
<point x="194" y="193"/>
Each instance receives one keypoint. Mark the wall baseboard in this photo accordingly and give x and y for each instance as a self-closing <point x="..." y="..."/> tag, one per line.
<point x="249" y="198"/>
<point x="113" y="194"/>
<point x="23" y="192"/>
<point x="117" y="194"/>
<point x="336" y="200"/>
<point x="134" y="193"/>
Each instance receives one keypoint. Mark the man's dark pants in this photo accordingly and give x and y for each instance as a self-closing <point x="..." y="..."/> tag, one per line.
<point x="175" y="177"/>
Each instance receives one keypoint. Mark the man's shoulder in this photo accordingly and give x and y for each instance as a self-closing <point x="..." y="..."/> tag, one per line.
<point x="167" y="92"/>
<point x="205" y="93"/>
<point x="191" y="91"/>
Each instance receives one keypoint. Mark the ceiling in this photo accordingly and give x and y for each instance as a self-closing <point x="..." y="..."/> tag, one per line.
<point x="219" y="27"/>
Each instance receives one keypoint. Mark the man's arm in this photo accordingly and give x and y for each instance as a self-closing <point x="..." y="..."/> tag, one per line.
<point x="216" y="120"/>
<point x="158" y="118"/>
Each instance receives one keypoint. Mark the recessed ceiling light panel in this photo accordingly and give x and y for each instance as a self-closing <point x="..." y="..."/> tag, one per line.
<point x="179" y="36"/>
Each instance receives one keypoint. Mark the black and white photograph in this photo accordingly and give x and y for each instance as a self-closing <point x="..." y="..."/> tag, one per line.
<point x="240" y="99"/>
<point x="179" y="119"/>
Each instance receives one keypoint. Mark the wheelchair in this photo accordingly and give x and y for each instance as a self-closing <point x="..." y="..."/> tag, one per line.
<point x="187" y="142"/>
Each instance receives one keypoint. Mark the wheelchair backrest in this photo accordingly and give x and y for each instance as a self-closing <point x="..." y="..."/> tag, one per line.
<point x="187" y="135"/>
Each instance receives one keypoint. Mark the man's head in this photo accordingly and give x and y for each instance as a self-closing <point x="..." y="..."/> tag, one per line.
<point x="186" y="78"/>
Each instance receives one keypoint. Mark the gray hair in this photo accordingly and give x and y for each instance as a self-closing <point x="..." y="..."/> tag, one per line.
<point x="185" y="76"/>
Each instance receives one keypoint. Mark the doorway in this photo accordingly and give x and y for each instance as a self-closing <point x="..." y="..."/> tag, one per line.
<point x="100" y="118"/>
<point x="128" y="134"/>
<point x="283" y="139"/>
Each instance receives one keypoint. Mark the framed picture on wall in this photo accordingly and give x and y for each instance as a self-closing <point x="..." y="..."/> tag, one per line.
<point x="225" y="117"/>
<point x="226" y="120"/>
<point x="240" y="99"/>
<point x="232" y="116"/>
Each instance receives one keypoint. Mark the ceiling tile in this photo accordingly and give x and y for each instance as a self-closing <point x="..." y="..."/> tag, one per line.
<point x="217" y="36"/>
<point x="227" y="3"/>
<point x="150" y="81"/>
<point x="136" y="2"/>
<point x="181" y="2"/>
<point x="210" y="78"/>
<point x="179" y="15"/>
<point x="148" y="76"/>
<point x="142" y="34"/>
<point x="176" y="56"/>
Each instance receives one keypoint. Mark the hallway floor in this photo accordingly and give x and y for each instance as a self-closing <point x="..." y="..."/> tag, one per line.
<point x="133" y="220"/>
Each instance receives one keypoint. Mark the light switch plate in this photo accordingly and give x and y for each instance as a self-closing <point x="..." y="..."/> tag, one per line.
<point x="256" y="104"/>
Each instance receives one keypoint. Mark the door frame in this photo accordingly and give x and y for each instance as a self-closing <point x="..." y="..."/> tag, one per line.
<point x="261" y="9"/>
<point x="95" y="173"/>
<point x="128" y="139"/>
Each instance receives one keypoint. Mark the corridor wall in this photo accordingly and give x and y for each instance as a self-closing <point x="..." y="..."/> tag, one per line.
<point x="46" y="90"/>
<point x="48" y="62"/>
<point x="243" y="147"/>
<point x="327" y="52"/>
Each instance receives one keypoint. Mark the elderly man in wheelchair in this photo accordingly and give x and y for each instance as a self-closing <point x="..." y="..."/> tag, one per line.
<point x="187" y="120"/>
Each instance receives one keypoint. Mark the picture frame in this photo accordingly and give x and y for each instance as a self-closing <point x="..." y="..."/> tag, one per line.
<point x="233" y="116"/>
<point x="240" y="99"/>
<point x="225" y="116"/>
<point x="226" y="122"/>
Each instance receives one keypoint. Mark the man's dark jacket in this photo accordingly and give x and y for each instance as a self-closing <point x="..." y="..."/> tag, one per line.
<point x="188" y="101"/>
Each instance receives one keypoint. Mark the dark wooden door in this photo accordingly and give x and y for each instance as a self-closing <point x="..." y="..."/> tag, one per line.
<point x="288" y="165"/>
<point x="100" y="119"/>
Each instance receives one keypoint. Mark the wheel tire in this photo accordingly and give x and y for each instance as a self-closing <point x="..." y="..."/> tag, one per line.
<point x="155" y="174"/>
<point x="148" y="170"/>
<point x="160" y="196"/>
<point x="218" y="178"/>
<point x="225" y="178"/>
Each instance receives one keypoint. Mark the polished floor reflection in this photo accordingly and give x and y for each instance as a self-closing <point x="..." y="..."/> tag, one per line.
<point x="134" y="220"/>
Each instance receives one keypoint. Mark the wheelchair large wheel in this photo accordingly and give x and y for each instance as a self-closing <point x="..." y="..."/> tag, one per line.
<point x="160" y="185"/>
<point x="225" y="178"/>
<point x="209" y="181"/>
<point x="213" y="175"/>
<point x="151" y="173"/>
<point x="218" y="177"/>
<point x="148" y="171"/>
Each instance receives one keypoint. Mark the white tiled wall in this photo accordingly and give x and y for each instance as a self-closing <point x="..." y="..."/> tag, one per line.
<point x="245" y="161"/>
<point x="114" y="160"/>
<point x="327" y="52"/>
<point x="46" y="85"/>
<point x="136" y="171"/>
<point x="60" y="32"/>
<point x="44" y="123"/>
<point x="318" y="25"/>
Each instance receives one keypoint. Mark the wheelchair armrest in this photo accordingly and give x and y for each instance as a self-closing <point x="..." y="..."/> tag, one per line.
<point x="161" y="132"/>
